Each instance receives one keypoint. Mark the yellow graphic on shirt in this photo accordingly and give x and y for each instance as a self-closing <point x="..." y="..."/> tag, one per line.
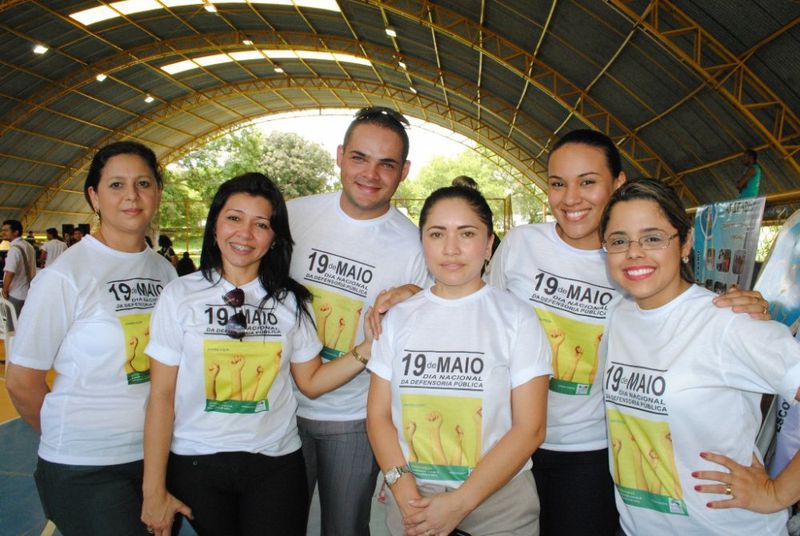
<point x="643" y="463"/>
<point x="443" y="434"/>
<point x="575" y="352"/>
<point x="337" y="320"/>
<point x="239" y="374"/>
<point x="136" y="330"/>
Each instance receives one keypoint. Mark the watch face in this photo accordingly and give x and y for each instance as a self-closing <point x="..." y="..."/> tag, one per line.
<point x="391" y="476"/>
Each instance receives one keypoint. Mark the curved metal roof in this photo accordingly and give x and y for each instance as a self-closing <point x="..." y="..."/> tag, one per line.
<point x="682" y="86"/>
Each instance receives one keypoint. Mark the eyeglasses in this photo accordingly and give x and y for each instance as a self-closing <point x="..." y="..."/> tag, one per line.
<point x="236" y="324"/>
<point x="650" y="241"/>
<point x="374" y="112"/>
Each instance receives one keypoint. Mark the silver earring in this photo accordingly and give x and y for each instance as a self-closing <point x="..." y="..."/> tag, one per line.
<point x="685" y="260"/>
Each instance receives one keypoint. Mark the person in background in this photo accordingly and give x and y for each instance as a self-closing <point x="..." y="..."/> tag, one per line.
<point x="165" y="249"/>
<point x="77" y="236"/>
<point x="20" y="266"/>
<point x="185" y="265"/>
<point x="750" y="179"/>
<point x="51" y="249"/>
<point x="88" y="317"/>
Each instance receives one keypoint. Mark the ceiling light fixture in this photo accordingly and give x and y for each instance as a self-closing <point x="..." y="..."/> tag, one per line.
<point x="40" y="49"/>
<point x="100" y="77"/>
<point x="279" y="69"/>
<point x="148" y="98"/>
<point x="211" y="8"/>
<point x="247" y="42"/>
<point x="391" y="32"/>
<point x="402" y="65"/>
<point x="414" y="91"/>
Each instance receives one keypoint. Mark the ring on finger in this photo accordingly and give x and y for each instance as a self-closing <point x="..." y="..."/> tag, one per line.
<point x="728" y="490"/>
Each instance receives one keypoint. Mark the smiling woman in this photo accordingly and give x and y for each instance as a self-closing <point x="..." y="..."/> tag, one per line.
<point x="94" y="335"/>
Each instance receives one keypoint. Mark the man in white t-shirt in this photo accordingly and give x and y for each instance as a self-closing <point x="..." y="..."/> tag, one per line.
<point x="350" y="245"/>
<point x="20" y="265"/>
<point x="52" y="248"/>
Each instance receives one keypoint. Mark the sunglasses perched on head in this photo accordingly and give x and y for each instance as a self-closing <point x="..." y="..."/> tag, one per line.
<point x="375" y="112"/>
<point x="236" y="324"/>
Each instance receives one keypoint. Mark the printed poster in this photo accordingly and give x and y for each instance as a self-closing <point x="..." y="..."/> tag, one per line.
<point x="643" y="466"/>
<point x="725" y="243"/>
<point x="574" y="345"/>
<point x="239" y="374"/>
<point x="443" y="434"/>
<point x="136" y="330"/>
<point x="337" y="318"/>
<point x="779" y="280"/>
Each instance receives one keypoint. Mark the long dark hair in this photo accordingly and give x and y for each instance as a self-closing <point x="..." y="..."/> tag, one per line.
<point x="668" y="202"/>
<point x="273" y="270"/>
<point x="596" y="139"/>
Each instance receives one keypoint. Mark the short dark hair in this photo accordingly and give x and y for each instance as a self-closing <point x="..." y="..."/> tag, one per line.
<point x="114" y="149"/>
<point x="593" y="138"/>
<point x="273" y="270"/>
<point x="382" y="117"/>
<point x="14" y="225"/>
<point x="164" y="241"/>
<point x="668" y="202"/>
<point x="52" y="232"/>
<point x="473" y="198"/>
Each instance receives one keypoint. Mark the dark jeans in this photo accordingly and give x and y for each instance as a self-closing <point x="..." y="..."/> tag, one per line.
<point x="576" y="493"/>
<point x="87" y="500"/>
<point x="242" y="494"/>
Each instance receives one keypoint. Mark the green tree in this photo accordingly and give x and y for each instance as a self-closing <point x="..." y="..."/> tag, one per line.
<point x="495" y="184"/>
<point x="298" y="166"/>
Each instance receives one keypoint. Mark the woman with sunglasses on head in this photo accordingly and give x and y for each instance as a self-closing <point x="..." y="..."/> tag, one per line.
<point x="226" y="342"/>
<point x="88" y="317"/>
<point x="685" y="378"/>
<point x="459" y="386"/>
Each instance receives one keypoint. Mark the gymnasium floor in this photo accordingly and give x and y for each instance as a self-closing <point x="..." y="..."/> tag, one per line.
<point x="20" y="511"/>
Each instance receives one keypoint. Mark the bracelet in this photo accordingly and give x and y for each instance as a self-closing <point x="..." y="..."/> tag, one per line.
<point x="360" y="358"/>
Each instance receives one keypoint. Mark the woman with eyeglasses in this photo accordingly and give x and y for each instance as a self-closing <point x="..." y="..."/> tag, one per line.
<point x="88" y="318"/>
<point x="683" y="380"/>
<point x="221" y="440"/>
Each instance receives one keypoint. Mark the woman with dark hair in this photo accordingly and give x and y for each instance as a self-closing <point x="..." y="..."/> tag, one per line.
<point x="457" y="398"/>
<point x="88" y="317"/>
<point x="165" y="249"/>
<point x="684" y="380"/>
<point x="221" y="433"/>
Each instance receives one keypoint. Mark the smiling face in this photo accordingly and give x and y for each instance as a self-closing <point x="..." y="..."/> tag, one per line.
<point x="580" y="185"/>
<point x="244" y="235"/>
<point x="652" y="277"/>
<point x="127" y="197"/>
<point x="456" y="243"/>
<point x="372" y="168"/>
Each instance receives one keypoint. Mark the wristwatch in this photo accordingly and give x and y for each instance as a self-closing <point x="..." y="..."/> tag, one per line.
<point x="393" y="475"/>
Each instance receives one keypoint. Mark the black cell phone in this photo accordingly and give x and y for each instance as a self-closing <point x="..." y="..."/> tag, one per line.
<point x="459" y="532"/>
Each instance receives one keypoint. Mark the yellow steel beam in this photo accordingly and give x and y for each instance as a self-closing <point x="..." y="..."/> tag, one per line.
<point x="468" y="126"/>
<point x="544" y="78"/>
<point x="723" y="72"/>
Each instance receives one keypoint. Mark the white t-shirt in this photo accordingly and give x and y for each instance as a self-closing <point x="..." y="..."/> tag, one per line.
<point x="88" y="317"/>
<point x="53" y="248"/>
<point x="682" y="379"/>
<point x="452" y="365"/>
<point x="21" y="261"/>
<point x="231" y="395"/>
<point x="570" y="291"/>
<point x="345" y="263"/>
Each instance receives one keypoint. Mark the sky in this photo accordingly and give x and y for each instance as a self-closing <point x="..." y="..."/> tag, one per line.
<point x="327" y="128"/>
